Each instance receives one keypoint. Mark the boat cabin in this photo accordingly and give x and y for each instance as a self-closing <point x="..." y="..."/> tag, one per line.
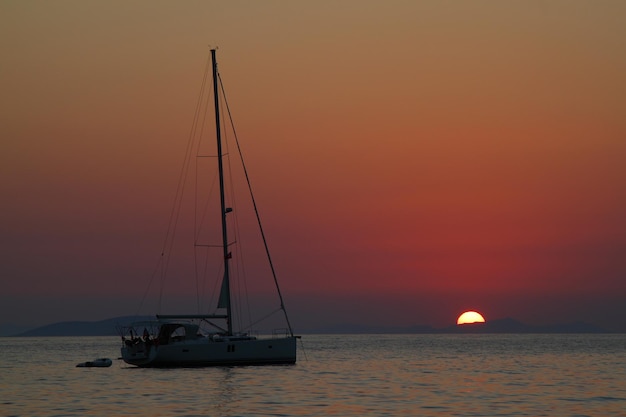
<point x="175" y="332"/>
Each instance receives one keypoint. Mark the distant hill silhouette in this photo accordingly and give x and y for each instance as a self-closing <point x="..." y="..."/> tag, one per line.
<point x="82" y="328"/>
<point x="9" y="329"/>
<point x="508" y="325"/>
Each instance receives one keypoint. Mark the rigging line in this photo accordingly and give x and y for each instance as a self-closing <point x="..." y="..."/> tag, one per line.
<point x="303" y="351"/>
<point x="187" y="158"/>
<point x="176" y="208"/>
<point x="145" y="294"/>
<point x="210" y="323"/>
<point x="268" y="315"/>
<point x="201" y="280"/>
<point x="195" y="239"/>
<point x="201" y="294"/>
<point x="235" y="305"/>
<point x="240" y="261"/>
<point x="197" y="226"/>
<point x="234" y="272"/>
<point x="217" y="287"/>
<point x="205" y="211"/>
<point x="199" y="155"/>
<point x="256" y="212"/>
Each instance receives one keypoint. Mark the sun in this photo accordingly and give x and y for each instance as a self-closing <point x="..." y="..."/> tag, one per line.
<point x="470" y="317"/>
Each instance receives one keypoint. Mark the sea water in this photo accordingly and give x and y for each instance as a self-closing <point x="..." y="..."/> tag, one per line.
<point x="337" y="375"/>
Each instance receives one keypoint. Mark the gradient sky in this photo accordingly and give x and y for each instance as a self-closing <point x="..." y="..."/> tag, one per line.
<point x="412" y="159"/>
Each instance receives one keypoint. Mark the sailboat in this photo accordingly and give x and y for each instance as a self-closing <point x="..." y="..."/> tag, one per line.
<point x="172" y="340"/>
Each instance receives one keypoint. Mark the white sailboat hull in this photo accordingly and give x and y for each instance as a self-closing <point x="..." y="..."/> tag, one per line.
<point x="207" y="352"/>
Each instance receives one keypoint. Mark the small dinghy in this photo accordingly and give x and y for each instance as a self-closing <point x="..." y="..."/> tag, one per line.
<point x="97" y="363"/>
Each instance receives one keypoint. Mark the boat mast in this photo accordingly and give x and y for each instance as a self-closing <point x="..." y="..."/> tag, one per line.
<point x="218" y="134"/>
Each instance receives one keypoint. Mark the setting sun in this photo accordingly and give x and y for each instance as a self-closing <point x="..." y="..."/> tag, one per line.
<point x="470" y="317"/>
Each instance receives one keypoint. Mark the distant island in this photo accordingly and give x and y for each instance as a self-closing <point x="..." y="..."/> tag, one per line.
<point x="106" y="327"/>
<point x="508" y="325"/>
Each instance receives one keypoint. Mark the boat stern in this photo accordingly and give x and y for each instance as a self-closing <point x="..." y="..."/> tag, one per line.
<point x="138" y="354"/>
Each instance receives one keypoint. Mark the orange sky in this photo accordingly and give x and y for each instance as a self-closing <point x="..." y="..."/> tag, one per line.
<point x="426" y="157"/>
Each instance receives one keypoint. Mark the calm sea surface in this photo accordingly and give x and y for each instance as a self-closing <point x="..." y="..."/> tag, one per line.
<point x="351" y="375"/>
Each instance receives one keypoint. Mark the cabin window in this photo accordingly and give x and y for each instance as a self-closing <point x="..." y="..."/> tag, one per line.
<point x="178" y="334"/>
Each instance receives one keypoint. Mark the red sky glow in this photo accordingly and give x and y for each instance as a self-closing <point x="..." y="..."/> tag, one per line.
<point x="412" y="159"/>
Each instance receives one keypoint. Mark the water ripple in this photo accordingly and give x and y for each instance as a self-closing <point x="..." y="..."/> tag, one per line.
<point x="400" y="375"/>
